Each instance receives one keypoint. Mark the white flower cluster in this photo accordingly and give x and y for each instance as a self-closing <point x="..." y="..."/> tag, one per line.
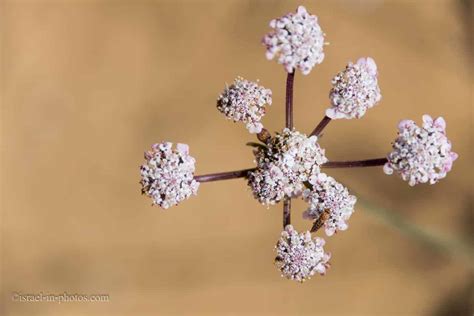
<point x="327" y="195"/>
<point x="296" y="40"/>
<point x="299" y="257"/>
<point x="355" y="89"/>
<point x="245" y="101"/>
<point x="287" y="161"/>
<point x="168" y="174"/>
<point x="421" y="154"/>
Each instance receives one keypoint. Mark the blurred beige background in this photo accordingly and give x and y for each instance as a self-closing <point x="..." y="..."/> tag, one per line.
<point x="87" y="86"/>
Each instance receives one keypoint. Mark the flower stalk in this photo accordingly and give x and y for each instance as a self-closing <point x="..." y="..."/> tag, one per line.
<point x="290" y="79"/>
<point x="224" y="175"/>
<point x="355" y="163"/>
<point x="324" y="122"/>
<point x="286" y="212"/>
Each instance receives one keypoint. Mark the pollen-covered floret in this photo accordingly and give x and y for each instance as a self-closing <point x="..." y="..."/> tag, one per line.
<point x="296" y="40"/>
<point x="421" y="154"/>
<point x="245" y="101"/>
<point x="327" y="195"/>
<point x="284" y="164"/>
<point x="168" y="174"/>
<point x="355" y="89"/>
<point x="299" y="257"/>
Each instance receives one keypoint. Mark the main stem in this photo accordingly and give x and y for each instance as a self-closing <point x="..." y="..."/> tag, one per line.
<point x="290" y="79"/>
<point x="224" y="175"/>
<point x="355" y="163"/>
<point x="325" y="121"/>
<point x="289" y="99"/>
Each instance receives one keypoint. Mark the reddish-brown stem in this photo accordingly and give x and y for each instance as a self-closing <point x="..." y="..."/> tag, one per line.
<point x="356" y="163"/>
<point x="223" y="175"/>
<point x="286" y="212"/>
<point x="289" y="99"/>
<point x="324" y="122"/>
<point x="290" y="79"/>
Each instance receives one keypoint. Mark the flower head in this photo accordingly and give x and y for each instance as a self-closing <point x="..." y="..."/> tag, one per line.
<point x="245" y="101"/>
<point x="355" y="89"/>
<point x="327" y="195"/>
<point x="288" y="160"/>
<point x="421" y="154"/>
<point x="296" y="40"/>
<point x="168" y="174"/>
<point x="299" y="257"/>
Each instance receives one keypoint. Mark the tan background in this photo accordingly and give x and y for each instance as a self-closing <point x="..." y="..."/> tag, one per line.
<point x="87" y="86"/>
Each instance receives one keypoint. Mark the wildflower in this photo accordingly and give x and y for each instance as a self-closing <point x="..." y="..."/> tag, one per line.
<point x="284" y="164"/>
<point x="299" y="257"/>
<point x="289" y="164"/>
<point x="355" y="89"/>
<point x="421" y="154"/>
<point x="245" y="101"/>
<point x="167" y="176"/>
<point x="327" y="195"/>
<point x="296" y="41"/>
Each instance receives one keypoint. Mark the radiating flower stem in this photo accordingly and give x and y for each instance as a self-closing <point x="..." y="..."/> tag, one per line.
<point x="286" y="212"/>
<point x="289" y="99"/>
<point x="324" y="122"/>
<point x="224" y="175"/>
<point x="290" y="79"/>
<point x="355" y="163"/>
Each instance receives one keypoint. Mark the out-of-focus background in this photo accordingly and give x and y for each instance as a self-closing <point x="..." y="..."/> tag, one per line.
<point x="87" y="86"/>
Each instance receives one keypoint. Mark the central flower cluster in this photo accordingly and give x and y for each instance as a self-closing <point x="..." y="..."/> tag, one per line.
<point x="287" y="161"/>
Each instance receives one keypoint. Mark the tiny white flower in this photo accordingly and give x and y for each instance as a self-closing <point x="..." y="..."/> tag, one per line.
<point x="299" y="256"/>
<point x="355" y="89"/>
<point x="296" y="41"/>
<point x="245" y="101"/>
<point x="167" y="176"/>
<point x="421" y="154"/>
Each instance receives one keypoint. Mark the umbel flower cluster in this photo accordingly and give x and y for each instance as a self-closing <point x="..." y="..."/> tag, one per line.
<point x="291" y="164"/>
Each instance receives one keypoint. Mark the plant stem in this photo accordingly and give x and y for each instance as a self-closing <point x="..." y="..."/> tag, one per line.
<point x="290" y="79"/>
<point x="436" y="240"/>
<point x="324" y="122"/>
<point x="289" y="99"/>
<point x="286" y="212"/>
<point x="224" y="175"/>
<point x="356" y="163"/>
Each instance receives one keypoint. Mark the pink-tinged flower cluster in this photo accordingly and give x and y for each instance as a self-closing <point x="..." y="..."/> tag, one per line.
<point x="245" y="101"/>
<point x="354" y="90"/>
<point x="284" y="164"/>
<point x="421" y="154"/>
<point x="167" y="176"/>
<point x="297" y="41"/>
<point x="327" y="195"/>
<point x="299" y="256"/>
